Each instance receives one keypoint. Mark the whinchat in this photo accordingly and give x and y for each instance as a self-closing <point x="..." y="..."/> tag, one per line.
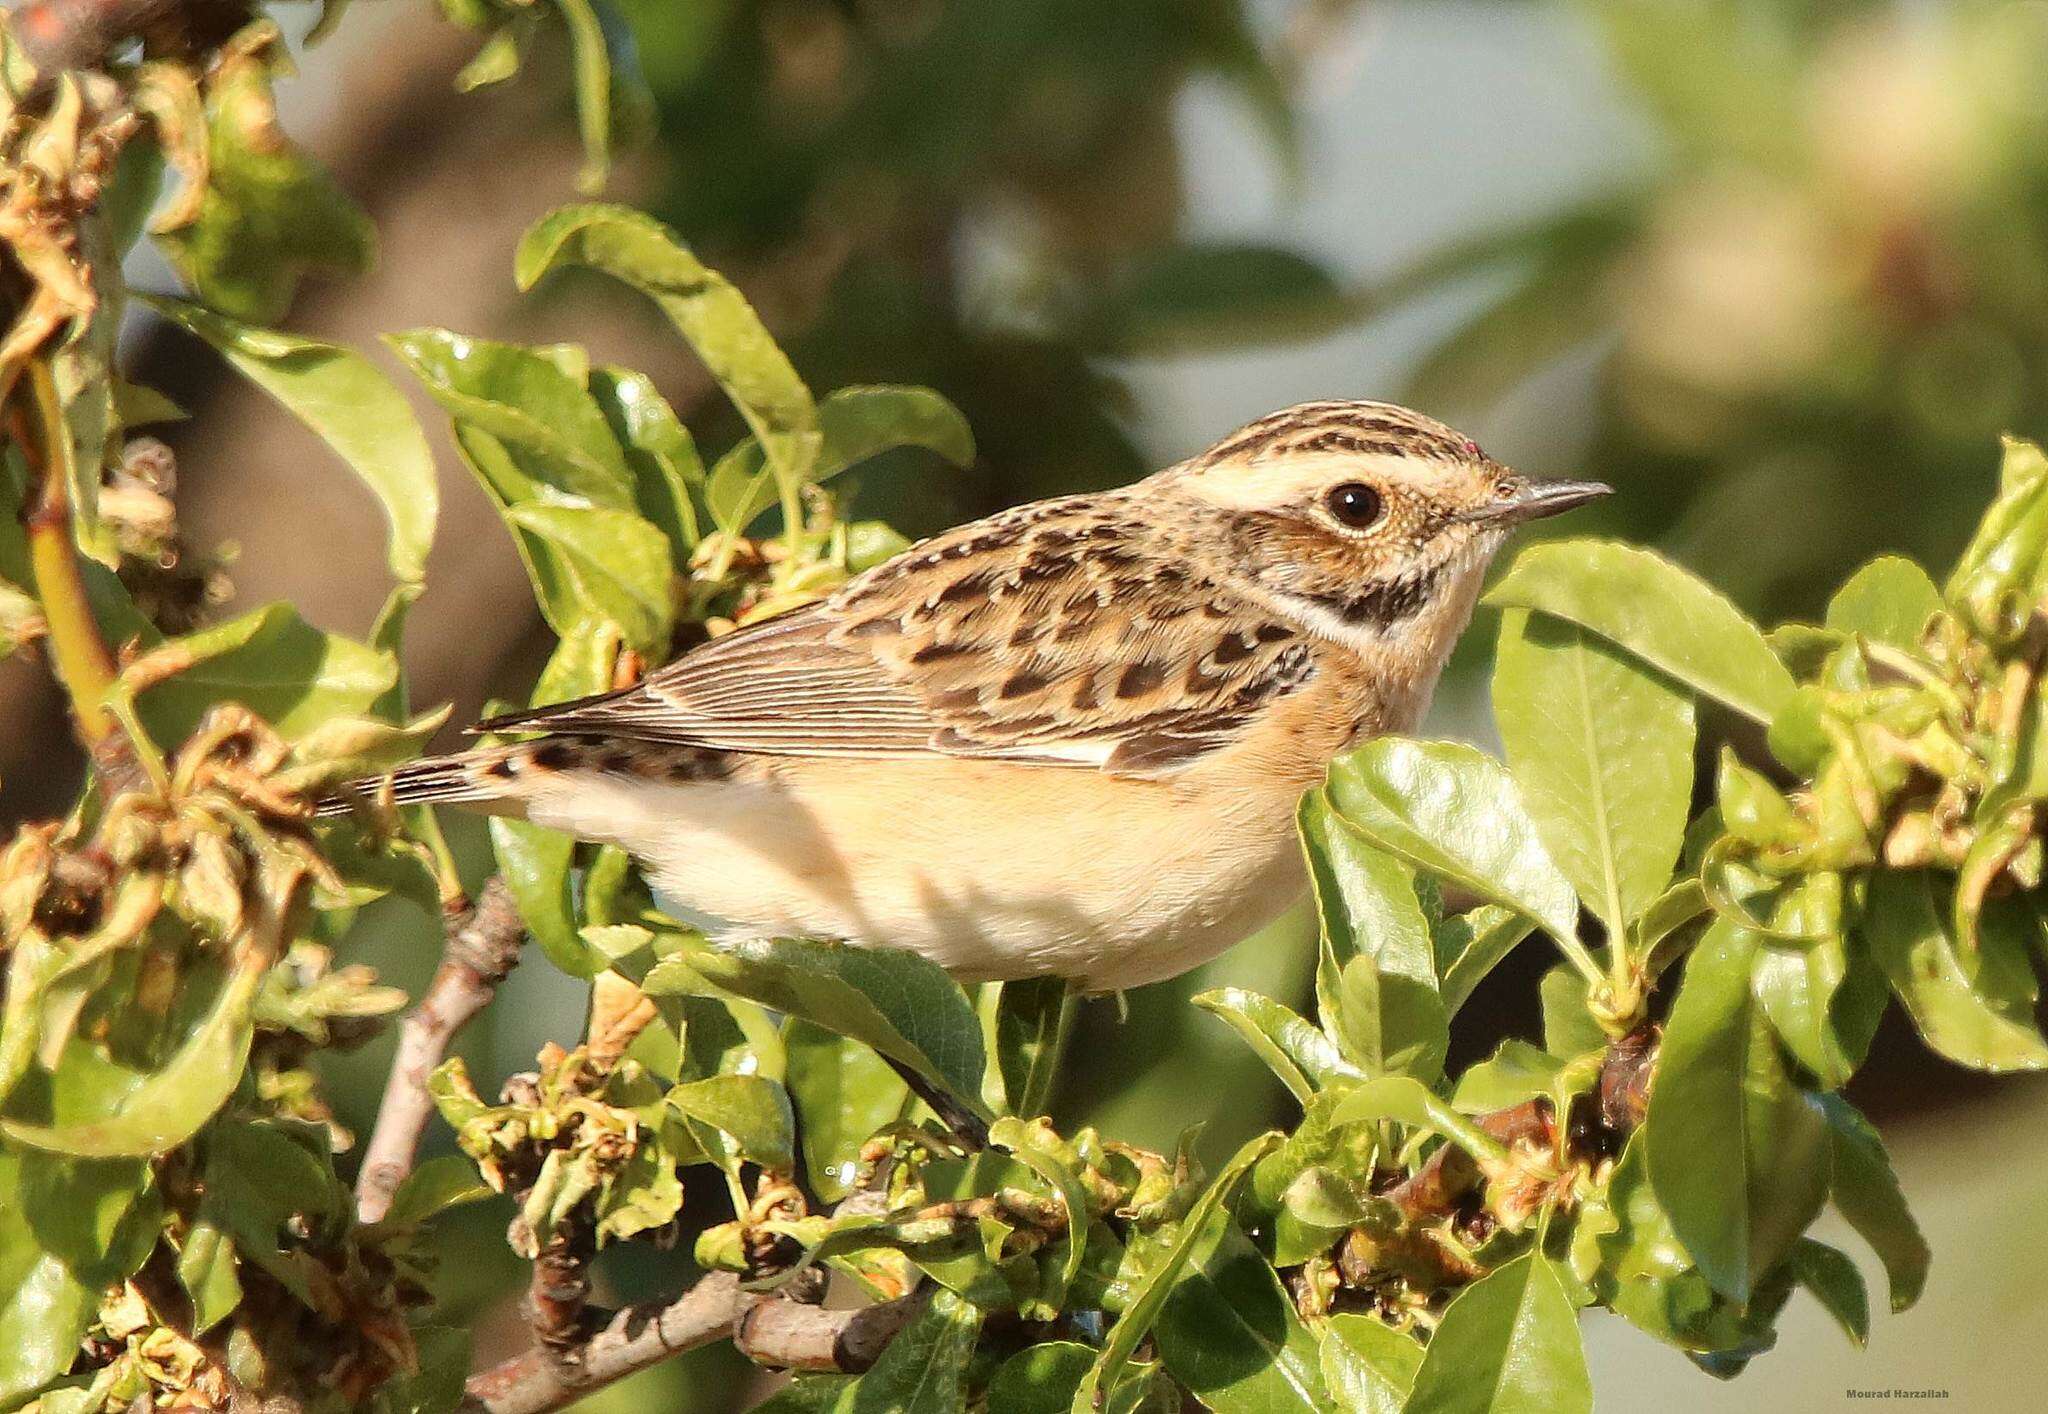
<point x="1066" y="740"/>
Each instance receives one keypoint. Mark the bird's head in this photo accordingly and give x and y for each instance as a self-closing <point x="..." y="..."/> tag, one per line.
<point x="1364" y="521"/>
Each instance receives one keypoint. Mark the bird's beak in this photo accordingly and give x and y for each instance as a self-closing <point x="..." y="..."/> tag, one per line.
<point x="1533" y="500"/>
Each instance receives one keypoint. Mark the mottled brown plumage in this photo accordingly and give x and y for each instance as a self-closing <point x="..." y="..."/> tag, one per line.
<point x="1064" y="739"/>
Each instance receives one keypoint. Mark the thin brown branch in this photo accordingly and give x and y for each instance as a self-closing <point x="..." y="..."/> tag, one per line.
<point x="777" y="1332"/>
<point x="1621" y="1094"/>
<point x="480" y="954"/>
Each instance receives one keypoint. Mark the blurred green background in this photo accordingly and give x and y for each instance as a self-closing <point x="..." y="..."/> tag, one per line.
<point x="1776" y="269"/>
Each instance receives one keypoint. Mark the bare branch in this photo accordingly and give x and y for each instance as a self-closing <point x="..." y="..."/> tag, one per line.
<point x="770" y="1330"/>
<point x="479" y="955"/>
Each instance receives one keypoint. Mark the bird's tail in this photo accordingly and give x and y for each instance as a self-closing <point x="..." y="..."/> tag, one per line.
<point x="495" y="776"/>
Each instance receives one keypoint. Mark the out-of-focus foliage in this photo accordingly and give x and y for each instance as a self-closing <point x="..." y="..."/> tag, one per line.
<point x="1821" y="291"/>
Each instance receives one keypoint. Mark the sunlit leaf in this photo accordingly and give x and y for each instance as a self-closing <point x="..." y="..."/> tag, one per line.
<point x="1601" y="749"/>
<point x="1368" y="1366"/>
<point x="843" y="1093"/>
<point x="1887" y="601"/>
<point x="271" y="661"/>
<point x="1722" y="1089"/>
<point x="1508" y="1344"/>
<point x="1657" y="611"/>
<point x="1867" y="1193"/>
<point x="353" y="408"/>
<point x="1985" y="1020"/>
<point x="1300" y="1055"/>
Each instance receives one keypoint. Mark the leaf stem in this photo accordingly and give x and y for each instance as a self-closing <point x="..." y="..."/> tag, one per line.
<point x="78" y="653"/>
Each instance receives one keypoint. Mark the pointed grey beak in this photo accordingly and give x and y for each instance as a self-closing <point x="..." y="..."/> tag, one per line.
<point x="1537" y="499"/>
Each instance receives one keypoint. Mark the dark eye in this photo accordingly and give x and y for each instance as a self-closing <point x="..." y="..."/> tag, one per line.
<point x="1355" y="504"/>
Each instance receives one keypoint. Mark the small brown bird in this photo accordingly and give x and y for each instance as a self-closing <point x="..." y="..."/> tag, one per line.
<point x="1066" y="740"/>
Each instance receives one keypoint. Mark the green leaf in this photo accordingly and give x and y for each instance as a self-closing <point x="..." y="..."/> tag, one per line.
<point x="1824" y="1005"/>
<point x="149" y="1113"/>
<point x="1568" y="1025"/>
<point x="1369" y="1367"/>
<point x="1836" y="1284"/>
<point x="271" y="661"/>
<point x="556" y="444"/>
<point x="1376" y="979"/>
<point x="1027" y="1145"/>
<point x="753" y="1110"/>
<point x="1300" y="1055"/>
<point x="100" y="1216"/>
<point x="352" y="407"/>
<point x="1161" y="1276"/>
<point x="1867" y="1193"/>
<point x="1508" y="1344"/>
<point x="44" y="1310"/>
<point x="843" y="1093"/>
<point x="1410" y="1102"/>
<point x="1455" y="812"/>
<point x="1998" y="583"/>
<point x="1974" y="1014"/>
<point x="1031" y="1020"/>
<point x="616" y="569"/>
<point x="1664" y="615"/>
<point x="1723" y="1089"/>
<point x="1601" y="749"/>
<point x="1040" y="1379"/>
<point x="897" y="1002"/>
<point x="269" y="213"/>
<point x="1229" y="1332"/>
<point x="207" y="1271"/>
<point x="708" y="311"/>
<point x="536" y="865"/>
<point x="1887" y="601"/>
<point x="924" y="1369"/>
<point x="591" y="62"/>
<point x="855" y="424"/>
<point x="1515" y="1072"/>
<point x="667" y="472"/>
<point x="1471" y="945"/>
<point x="436" y="1185"/>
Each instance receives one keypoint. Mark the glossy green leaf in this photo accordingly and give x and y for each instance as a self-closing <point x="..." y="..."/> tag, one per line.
<point x="1369" y="1367"/>
<point x="1999" y="581"/>
<point x="433" y="1187"/>
<point x="1824" y="1004"/>
<point x="1867" y="1193"/>
<point x="1455" y="812"/>
<point x="903" y="1006"/>
<point x="557" y="445"/>
<point x="1040" y="1379"/>
<point x="708" y="311"/>
<point x="1568" y="1025"/>
<point x="591" y="64"/>
<point x="1162" y="1274"/>
<point x="536" y="865"/>
<point x="1836" y="1284"/>
<point x="1409" y="1101"/>
<point x="143" y="1113"/>
<point x="99" y="1216"/>
<point x="1303" y="1057"/>
<point x="616" y="569"/>
<point x="1887" y="601"/>
<point x="1723" y="1089"/>
<point x="1471" y="944"/>
<point x="1601" y="749"/>
<point x="1230" y="1335"/>
<point x="44" y="1309"/>
<point x="351" y="406"/>
<point x="924" y="1369"/>
<point x="1975" y="1014"/>
<point x="753" y="1110"/>
<point x="271" y="661"/>
<point x="855" y="424"/>
<point x="843" y="1093"/>
<point x="1508" y="1344"/>
<point x="207" y="1271"/>
<point x="667" y="472"/>
<point x="1664" y="615"/>
<point x="1031" y="1020"/>
<point x="1376" y="976"/>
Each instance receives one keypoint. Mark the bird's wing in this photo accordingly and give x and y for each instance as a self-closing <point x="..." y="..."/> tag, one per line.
<point x="1066" y="632"/>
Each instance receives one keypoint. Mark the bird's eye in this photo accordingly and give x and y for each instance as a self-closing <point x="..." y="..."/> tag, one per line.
<point x="1355" y="504"/>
